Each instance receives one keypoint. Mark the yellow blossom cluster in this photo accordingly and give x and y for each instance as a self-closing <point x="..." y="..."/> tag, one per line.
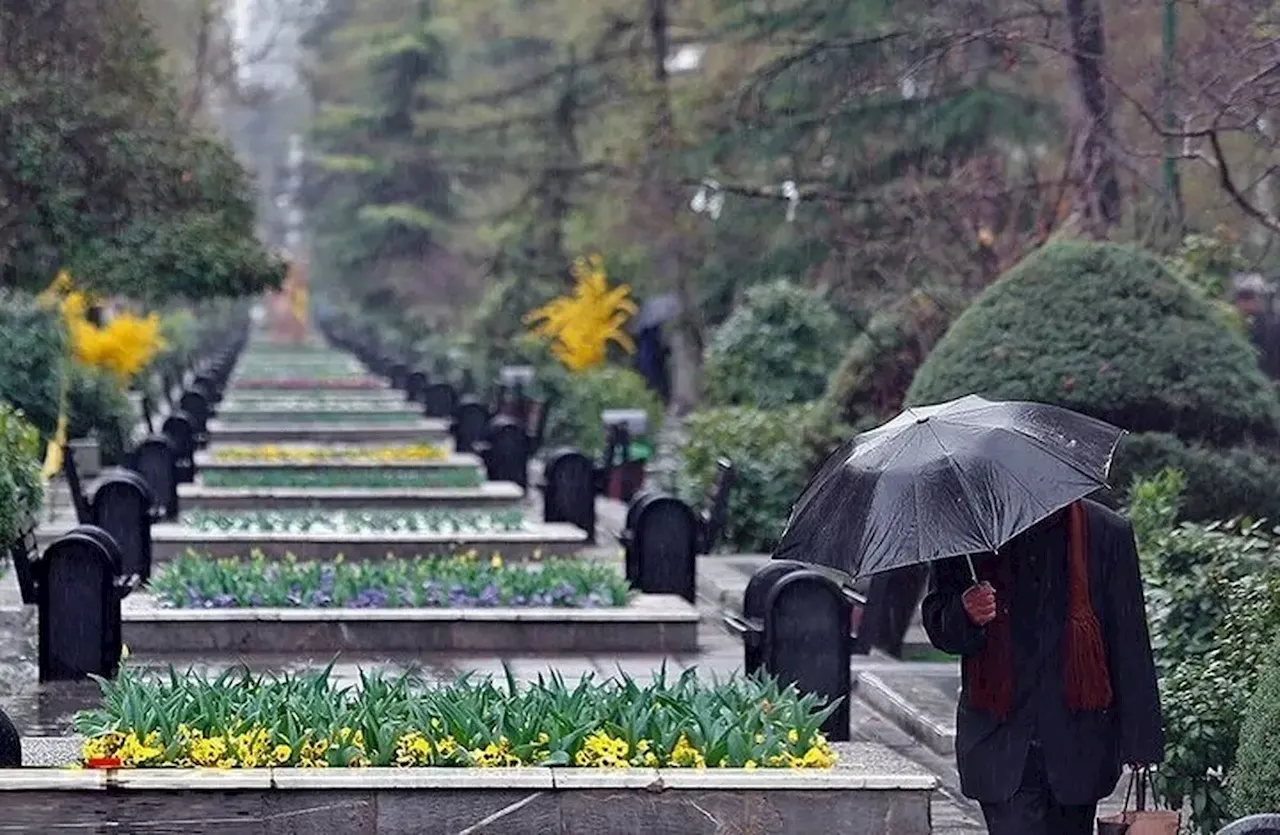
<point x="600" y="750"/>
<point x="258" y="747"/>
<point x="123" y="347"/>
<point x="312" y="455"/>
<point x="581" y="326"/>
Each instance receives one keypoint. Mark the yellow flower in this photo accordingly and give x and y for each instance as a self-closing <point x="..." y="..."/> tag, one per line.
<point x="582" y="325"/>
<point x="496" y="561"/>
<point x="685" y="755"/>
<point x="750" y="765"/>
<point x="281" y="754"/>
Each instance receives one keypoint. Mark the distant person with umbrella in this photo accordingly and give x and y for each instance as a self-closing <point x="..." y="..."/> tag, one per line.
<point x="1251" y="295"/>
<point x="1037" y="589"/>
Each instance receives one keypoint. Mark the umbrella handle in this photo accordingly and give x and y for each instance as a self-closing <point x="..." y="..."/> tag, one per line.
<point x="973" y="572"/>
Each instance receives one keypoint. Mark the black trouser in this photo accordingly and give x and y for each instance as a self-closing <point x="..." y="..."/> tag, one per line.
<point x="1032" y="809"/>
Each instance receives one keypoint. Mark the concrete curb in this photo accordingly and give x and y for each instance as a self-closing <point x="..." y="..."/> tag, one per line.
<point x="874" y="691"/>
<point x="649" y="623"/>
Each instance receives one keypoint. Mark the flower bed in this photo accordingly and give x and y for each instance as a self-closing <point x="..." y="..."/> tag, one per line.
<point x="311" y="455"/>
<point x="296" y="383"/>
<point x="352" y="402"/>
<point x="273" y="416"/>
<point x="239" y="720"/>
<point x="445" y="477"/>
<point x="355" y="522"/>
<point x="465" y="581"/>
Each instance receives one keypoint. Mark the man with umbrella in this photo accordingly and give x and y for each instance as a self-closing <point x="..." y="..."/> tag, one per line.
<point x="1037" y="589"/>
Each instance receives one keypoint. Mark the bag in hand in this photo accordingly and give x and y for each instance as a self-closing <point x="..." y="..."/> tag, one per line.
<point x="1141" y="820"/>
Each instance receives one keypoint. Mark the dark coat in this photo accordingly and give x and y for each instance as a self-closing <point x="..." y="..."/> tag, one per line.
<point x="1083" y="752"/>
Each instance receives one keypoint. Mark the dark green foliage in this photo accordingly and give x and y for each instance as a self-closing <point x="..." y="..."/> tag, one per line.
<point x="775" y="350"/>
<point x="1213" y="599"/>
<point x="766" y="450"/>
<point x="377" y="194"/>
<point x="97" y="407"/>
<point x="101" y="173"/>
<point x="1255" y="782"/>
<point x="1221" y="483"/>
<point x="31" y="360"/>
<point x="20" y="488"/>
<point x="871" y="381"/>
<point x="575" y="417"/>
<point x="1106" y="330"/>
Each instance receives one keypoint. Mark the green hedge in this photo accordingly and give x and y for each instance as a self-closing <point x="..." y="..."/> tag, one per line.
<point x="1213" y="600"/>
<point x="1109" y="331"/>
<point x="1255" y="782"/>
<point x="31" y="360"/>
<point x="776" y="349"/>
<point x="20" y="490"/>
<point x="1220" y="483"/>
<point x="766" y="449"/>
<point x="96" y="406"/>
<point x="575" y="417"/>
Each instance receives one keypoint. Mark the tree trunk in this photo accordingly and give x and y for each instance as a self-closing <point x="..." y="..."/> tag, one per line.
<point x="1098" y="195"/>
<point x="686" y="339"/>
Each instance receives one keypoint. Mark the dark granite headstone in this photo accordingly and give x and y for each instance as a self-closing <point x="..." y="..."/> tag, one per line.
<point x="663" y="552"/>
<point x="469" y="425"/>
<point x="415" y="387"/>
<point x="398" y="374"/>
<point x="155" y="460"/>
<point x="754" y="599"/>
<point x="1253" y="825"/>
<point x="196" y="405"/>
<point x="439" y="400"/>
<point x="79" y="608"/>
<point x="569" y="491"/>
<point x="807" y="643"/>
<point x="180" y="432"/>
<point x="10" y="743"/>
<point x="207" y="384"/>
<point x="506" y="451"/>
<point x="122" y="507"/>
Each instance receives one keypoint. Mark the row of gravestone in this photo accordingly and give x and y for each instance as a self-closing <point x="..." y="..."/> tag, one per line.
<point x="495" y="429"/>
<point x="79" y="581"/>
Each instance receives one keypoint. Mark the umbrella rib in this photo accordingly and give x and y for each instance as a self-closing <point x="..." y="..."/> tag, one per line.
<point x="1064" y="459"/>
<point x="960" y="479"/>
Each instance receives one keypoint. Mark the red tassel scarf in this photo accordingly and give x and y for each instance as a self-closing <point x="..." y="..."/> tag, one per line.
<point x="989" y="676"/>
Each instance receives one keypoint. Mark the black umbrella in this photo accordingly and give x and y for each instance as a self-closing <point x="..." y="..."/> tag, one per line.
<point x="955" y="479"/>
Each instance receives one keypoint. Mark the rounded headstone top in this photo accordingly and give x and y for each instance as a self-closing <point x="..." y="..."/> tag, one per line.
<point x="1253" y="825"/>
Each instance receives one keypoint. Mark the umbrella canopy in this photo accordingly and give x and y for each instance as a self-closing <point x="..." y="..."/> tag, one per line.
<point x="654" y="312"/>
<point x="959" y="478"/>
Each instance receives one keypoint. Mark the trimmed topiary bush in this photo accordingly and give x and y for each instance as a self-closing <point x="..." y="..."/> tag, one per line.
<point x="868" y="386"/>
<point x="1109" y="331"/>
<point x="575" y="417"/>
<point x="766" y="450"/>
<point x="1219" y="483"/>
<point x="97" y="406"/>
<point x="775" y="350"/>
<point x="1255" y="781"/>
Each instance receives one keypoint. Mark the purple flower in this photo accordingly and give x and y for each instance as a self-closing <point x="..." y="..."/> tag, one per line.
<point x="369" y="599"/>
